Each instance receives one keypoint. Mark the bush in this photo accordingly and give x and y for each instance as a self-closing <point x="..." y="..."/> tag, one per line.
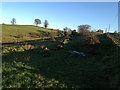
<point x="84" y="29"/>
<point x="92" y="39"/>
<point x="74" y="33"/>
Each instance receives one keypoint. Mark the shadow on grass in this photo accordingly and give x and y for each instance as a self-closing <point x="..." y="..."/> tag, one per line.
<point x="89" y="72"/>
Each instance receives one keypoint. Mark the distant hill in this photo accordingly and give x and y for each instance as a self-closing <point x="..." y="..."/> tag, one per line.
<point x="13" y="33"/>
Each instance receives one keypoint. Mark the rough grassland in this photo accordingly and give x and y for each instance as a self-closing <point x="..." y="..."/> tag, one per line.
<point x="9" y="32"/>
<point x="25" y="67"/>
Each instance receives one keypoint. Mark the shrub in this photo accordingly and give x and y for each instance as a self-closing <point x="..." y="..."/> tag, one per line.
<point x="84" y="29"/>
<point x="74" y="33"/>
<point x="92" y="39"/>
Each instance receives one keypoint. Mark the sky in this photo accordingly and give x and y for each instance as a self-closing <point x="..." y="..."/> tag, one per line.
<point x="63" y="14"/>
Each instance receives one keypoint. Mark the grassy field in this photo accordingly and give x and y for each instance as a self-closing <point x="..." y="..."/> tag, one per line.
<point x="16" y="33"/>
<point x="24" y="65"/>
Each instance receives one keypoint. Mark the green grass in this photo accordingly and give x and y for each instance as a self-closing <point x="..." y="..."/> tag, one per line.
<point x="31" y="69"/>
<point x="25" y="67"/>
<point x="66" y="71"/>
<point x="10" y="31"/>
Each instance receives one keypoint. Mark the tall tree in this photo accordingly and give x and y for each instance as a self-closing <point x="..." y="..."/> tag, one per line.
<point x="13" y="21"/>
<point x="46" y="23"/>
<point x="37" y="21"/>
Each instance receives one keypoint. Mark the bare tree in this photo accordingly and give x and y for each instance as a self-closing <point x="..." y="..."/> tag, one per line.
<point x="46" y="23"/>
<point x="13" y="21"/>
<point x="84" y="29"/>
<point x="37" y="21"/>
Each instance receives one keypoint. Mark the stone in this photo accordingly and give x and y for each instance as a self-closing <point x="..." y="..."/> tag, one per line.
<point x="72" y="53"/>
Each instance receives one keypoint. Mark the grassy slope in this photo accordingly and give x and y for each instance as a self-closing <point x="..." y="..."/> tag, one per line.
<point x="61" y="70"/>
<point x="9" y="31"/>
<point x="31" y="69"/>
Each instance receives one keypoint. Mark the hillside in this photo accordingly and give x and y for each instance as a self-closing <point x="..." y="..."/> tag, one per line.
<point x="57" y="64"/>
<point x="16" y="33"/>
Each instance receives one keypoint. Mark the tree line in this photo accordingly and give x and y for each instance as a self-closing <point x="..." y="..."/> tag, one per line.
<point x="83" y="29"/>
<point x="36" y="22"/>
